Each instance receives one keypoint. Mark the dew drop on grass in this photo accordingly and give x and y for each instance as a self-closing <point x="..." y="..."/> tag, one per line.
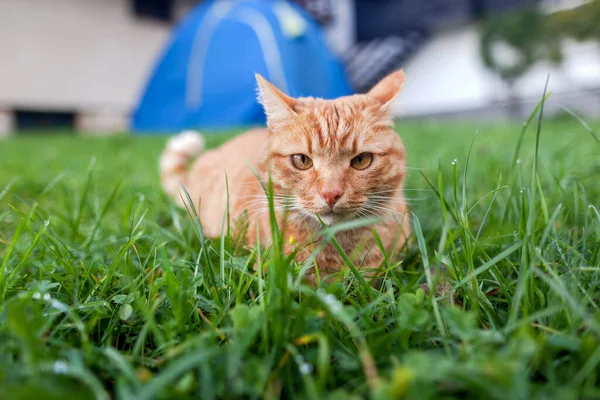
<point x="454" y="161"/>
<point x="125" y="312"/>
<point x="333" y="304"/>
<point x="58" y="305"/>
<point x="59" y="367"/>
<point x="305" y="368"/>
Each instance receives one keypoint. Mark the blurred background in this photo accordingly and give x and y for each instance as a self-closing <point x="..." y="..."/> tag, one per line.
<point x="104" y="66"/>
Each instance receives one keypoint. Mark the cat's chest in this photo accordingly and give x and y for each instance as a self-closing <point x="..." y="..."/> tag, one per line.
<point x="356" y="244"/>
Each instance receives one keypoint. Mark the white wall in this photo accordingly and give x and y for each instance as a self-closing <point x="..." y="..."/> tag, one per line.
<point x="447" y="75"/>
<point x="76" y="55"/>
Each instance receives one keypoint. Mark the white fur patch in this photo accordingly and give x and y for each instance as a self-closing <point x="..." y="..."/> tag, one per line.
<point x="259" y="96"/>
<point x="189" y="143"/>
<point x="327" y="220"/>
<point x="171" y="161"/>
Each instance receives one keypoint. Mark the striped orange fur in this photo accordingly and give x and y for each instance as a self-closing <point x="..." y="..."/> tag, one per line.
<point x="332" y="141"/>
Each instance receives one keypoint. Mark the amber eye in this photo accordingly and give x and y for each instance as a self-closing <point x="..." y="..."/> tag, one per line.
<point x="301" y="161"/>
<point x="362" y="161"/>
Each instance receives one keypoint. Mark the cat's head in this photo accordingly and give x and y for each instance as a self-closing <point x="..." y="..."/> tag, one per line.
<point x="338" y="159"/>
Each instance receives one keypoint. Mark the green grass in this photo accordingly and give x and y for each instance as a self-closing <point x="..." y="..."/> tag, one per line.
<point x="109" y="291"/>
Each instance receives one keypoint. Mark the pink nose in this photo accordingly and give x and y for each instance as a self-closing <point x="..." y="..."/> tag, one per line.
<point x="331" y="196"/>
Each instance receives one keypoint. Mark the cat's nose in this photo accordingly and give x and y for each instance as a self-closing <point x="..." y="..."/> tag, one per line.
<point x="331" y="196"/>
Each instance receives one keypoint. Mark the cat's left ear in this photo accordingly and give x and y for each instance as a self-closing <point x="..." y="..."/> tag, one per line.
<point x="278" y="106"/>
<point x="388" y="88"/>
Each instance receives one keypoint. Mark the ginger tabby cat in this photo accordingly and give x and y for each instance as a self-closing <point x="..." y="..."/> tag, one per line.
<point x="336" y="159"/>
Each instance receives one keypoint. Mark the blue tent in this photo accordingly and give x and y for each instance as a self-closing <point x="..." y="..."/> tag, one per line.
<point x="205" y="78"/>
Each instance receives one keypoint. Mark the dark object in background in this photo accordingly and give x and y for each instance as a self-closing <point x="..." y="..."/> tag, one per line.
<point x="477" y="8"/>
<point x="496" y="6"/>
<point x="389" y="32"/>
<point x="380" y="18"/>
<point x="161" y="10"/>
<point x="44" y="120"/>
<point x="319" y="10"/>
<point x="369" y="61"/>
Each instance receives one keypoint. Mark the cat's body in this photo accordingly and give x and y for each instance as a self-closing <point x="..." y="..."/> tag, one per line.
<point x="333" y="160"/>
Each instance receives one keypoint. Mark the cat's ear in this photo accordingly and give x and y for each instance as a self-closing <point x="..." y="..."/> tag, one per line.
<point x="388" y="88"/>
<point x="278" y="106"/>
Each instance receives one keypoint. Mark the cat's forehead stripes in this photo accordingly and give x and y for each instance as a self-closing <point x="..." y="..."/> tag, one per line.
<point x="340" y="125"/>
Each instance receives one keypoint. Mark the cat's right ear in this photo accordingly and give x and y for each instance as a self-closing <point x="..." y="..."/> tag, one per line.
<point x="278" y="106"/>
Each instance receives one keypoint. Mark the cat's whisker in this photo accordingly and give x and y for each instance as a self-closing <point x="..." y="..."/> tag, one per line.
<point x="380" y="207"/>
<point x="385" y="203"/>
<point x="381" y="212"/>
<point x="275" y="197"/>
<point x="258" y="214"/>
<point x="303" y="215"/>
<point x="257" y="210"/>
<point x="383" y="197"/>
<point x="380" y="197"/>
<point x="390" y="195"/>
<point x="384" y="192"/>
<point x="262" y="206"/>
<point x="254" y="206"/>
<point x="397" y="190"/>
<point x="393" y="195"/>
<point x="285" y="202"/>
<point x="371" y="214"/>
<point x="363" y="213"/>
<point x="265" y="200"/>
<point x="398" y="200"/>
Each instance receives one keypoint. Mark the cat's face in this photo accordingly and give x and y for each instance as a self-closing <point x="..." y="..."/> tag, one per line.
<point x="336" y="159"/>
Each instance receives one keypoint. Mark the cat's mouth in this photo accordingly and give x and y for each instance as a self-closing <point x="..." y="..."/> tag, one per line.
<point x="332" y="215"/>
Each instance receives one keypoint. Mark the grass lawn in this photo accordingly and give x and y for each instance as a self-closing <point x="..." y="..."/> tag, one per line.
<point x="109" y="291"/>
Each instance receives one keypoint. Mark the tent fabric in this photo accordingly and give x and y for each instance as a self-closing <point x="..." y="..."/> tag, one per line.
<point x="206" y="76"/>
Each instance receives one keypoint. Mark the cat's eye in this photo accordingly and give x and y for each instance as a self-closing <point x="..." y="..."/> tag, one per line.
<point x="301" y="161"/>
<point x="362" y="161"/>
